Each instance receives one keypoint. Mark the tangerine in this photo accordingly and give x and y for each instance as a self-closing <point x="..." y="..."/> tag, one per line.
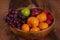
<point x="43" y="25"/>
<point x="25" y="27"/>
<point x="34" y="29"/>
<point x="42" y="17"/>
<point x="32" y="21"/>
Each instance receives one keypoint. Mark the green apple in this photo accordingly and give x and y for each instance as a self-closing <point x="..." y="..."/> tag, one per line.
<point x="25" y="11"/>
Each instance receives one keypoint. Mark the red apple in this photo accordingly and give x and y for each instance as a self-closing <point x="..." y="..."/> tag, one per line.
<point x="49" y="16"/>
<point x="49" y="22"/>
<point x="33" y="9"/>
<point x="46" y="11"/>
<point x="34" y="12"/>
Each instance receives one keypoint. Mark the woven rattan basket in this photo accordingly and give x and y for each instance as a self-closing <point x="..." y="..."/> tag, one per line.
<point x="33" y="35"/>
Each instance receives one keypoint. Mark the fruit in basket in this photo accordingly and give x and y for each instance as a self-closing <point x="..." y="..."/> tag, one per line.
<point x="49" y="16"/>
<point x="45" y="11"/>
<point x="32" y="21"/>
<point x="34" y="12"/>
<point x="43" y="25"/>
<point x="34" y="29"/>
<point x="25" y="27"/>
<point x="49" y="21"/>
<point x="42" y="17"/>
<point x="29" y="19"/>
<point x="25" y="11"/>
<point x="22" y="18"/>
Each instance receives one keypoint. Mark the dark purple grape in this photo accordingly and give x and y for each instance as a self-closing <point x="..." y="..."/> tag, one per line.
<point x="13" y="12"/>
<point x="5" y="18"/>
<point x="23" y="21"/>
<point x="10" y="23"/>
<point x="19" y="20"/>
<point x="16" y="12"/>
<point x="11" y="20"/>
<point x="19" y="25"/>
<point x="15" y="16"/>
<point x="16" y="22"/>
<point x="19" y="16"/>
<point x="23" y="17"/>
<point x="15" y="19"/>
<point x="11" y="16"/>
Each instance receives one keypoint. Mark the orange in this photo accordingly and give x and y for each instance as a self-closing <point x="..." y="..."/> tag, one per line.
<point x="42" y="17"/>
<point x="43" y="25"/>
<point x="34" y="29"/>
<point x="25" y="27"/>
<point x="32" y="21"/>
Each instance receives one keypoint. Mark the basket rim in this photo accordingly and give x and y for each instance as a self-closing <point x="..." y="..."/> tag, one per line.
<point x="38" y="31"/>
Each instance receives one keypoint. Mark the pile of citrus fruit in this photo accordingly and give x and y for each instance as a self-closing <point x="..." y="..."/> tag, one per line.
<point x="29" y="20"/>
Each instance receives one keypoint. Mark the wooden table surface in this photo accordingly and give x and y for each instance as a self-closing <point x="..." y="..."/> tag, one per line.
<point x="52" y="5"/>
